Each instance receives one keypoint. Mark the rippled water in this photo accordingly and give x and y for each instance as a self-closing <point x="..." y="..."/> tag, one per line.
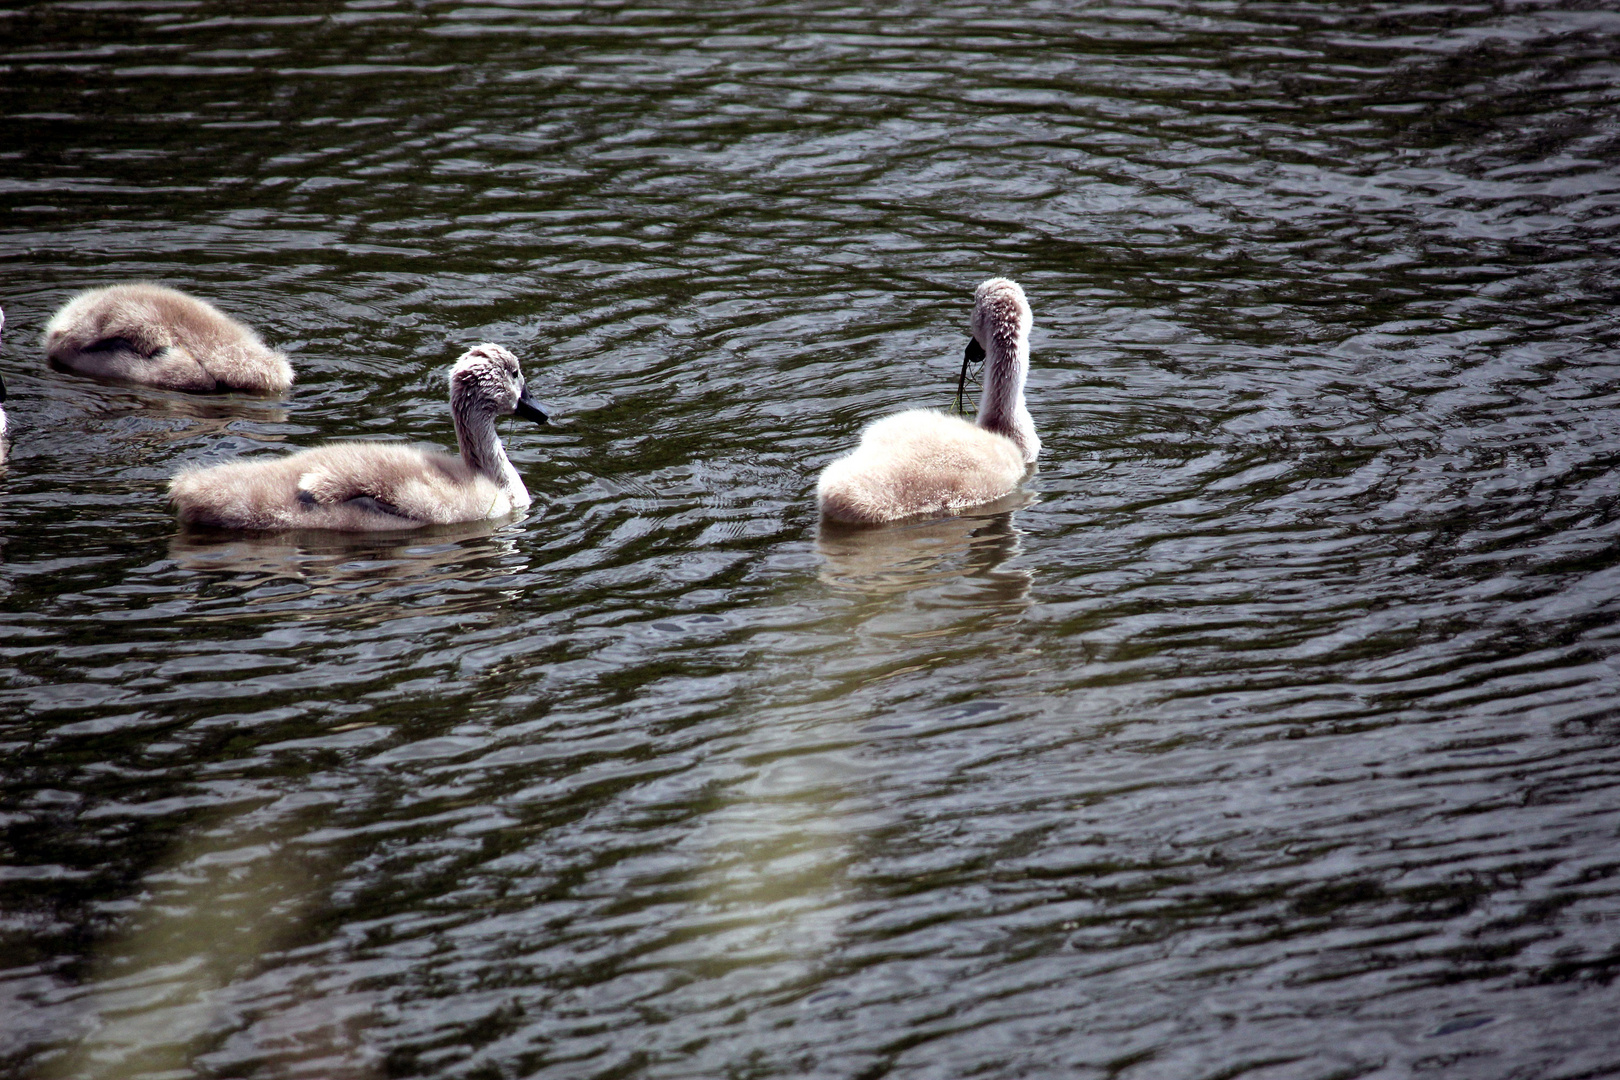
<point x="1275" y="734"/>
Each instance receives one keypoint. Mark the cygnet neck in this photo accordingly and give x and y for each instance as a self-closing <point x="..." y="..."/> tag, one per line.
<point x="481" y="446"/>
<point x="1001" y="404"/>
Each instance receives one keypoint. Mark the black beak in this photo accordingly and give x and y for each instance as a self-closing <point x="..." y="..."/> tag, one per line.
<point x="2" y="390"/>
<point x="527" y="409"/>
<point x="973" y="354"/>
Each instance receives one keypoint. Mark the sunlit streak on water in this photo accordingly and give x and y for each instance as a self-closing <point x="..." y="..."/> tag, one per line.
<point x="1271" y="732"/>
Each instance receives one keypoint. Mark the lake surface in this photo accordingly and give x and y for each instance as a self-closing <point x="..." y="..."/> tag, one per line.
<point x="1276" y="734"/>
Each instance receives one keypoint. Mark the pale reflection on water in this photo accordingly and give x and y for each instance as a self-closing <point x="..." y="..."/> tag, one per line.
<point x="118" y="402"/>
<point x="898" y="558"/>
<point x="336" y="559"/>
<point x="229" y="897"/>
<point x="1276" y="738"/>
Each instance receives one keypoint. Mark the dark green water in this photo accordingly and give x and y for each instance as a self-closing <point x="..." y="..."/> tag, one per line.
<point x="1276" y="736"/>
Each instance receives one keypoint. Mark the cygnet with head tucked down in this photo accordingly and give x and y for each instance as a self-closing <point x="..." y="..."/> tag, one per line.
<point x="379" y="487"/>
<point x="926" y="462"/>
<point x="156" y="336"/>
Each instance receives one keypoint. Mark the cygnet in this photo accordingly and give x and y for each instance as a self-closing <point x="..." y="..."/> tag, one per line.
<point x="379" y="487"/>
<point x="922" y="461"/>
<point x="157" y="336"/>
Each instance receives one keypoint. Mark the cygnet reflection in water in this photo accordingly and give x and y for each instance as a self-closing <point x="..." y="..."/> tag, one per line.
<point x="360" y="566"/>
<point x="971" y="550"/>
<point x="147" y="423"/>
<point x="117" y="401"/>
<point x="153" y="335"/>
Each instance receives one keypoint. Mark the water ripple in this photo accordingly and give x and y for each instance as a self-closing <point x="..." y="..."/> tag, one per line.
<point x="1269" y="732"/>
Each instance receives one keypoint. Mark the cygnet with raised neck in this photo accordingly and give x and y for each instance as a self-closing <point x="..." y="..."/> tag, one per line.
<point x="379" y="487"/>
<point x="923" y="461"/>
<point x="153" y="335"/>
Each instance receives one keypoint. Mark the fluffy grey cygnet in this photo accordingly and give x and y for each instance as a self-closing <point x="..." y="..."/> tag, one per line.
<point x="379" y="487"/>
<point x="926" y="462"/>
<point x="157" y="336"/>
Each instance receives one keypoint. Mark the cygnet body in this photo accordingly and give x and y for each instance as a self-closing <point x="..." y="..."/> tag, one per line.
<point x="379" y="487"/>
<point x="927" y="462"/>
<point x="157" y="336"/>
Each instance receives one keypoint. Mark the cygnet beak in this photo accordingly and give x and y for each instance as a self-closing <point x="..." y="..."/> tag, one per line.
<point x="970" y="356"/>
<point x="527" y="409"/>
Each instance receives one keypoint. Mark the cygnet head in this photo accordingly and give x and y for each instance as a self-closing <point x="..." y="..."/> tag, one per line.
<point x="488" y="381"/>
<point x="1001" y="315"/>
<point x="485" y="383"/>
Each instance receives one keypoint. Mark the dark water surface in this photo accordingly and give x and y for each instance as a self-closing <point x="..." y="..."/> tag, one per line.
<point x="1276" y="735"/>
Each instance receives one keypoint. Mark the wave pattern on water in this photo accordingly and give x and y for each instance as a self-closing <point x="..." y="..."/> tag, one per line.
<point x="1272" y="734"/>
